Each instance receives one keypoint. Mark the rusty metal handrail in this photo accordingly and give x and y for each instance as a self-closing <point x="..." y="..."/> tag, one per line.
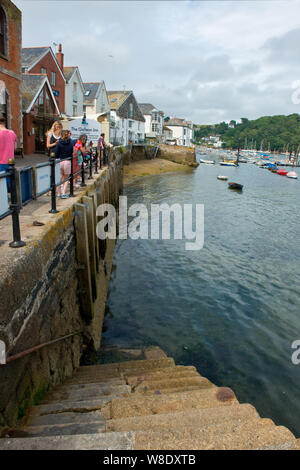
<point x="40" y="346"/>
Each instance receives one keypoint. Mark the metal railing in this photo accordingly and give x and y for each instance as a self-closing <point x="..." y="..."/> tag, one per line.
<point x="42" y="179"/>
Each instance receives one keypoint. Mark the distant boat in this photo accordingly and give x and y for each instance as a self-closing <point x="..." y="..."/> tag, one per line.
<point x="207" y="162"/>
<point x="224" y="178"/>
<point x="228" y="164"/>
<point x="238" y="186"/>
<point x="292" y="174"/>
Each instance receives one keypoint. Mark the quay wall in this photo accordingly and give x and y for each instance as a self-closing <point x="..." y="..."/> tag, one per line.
<point x="178" y="154"/>
<point x="57" y="286"/>
<point x="53" y="287"/>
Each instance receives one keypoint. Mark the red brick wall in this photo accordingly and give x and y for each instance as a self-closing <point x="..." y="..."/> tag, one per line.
<point x="10" y="66"/>
<point x="49" y="64"/>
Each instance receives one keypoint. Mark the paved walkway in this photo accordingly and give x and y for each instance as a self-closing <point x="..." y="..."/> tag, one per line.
<point x="31" y="160"/>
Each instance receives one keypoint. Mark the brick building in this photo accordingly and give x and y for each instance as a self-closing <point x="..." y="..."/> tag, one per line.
<point x="41" y="62"/>
<point x="10" y="66"/>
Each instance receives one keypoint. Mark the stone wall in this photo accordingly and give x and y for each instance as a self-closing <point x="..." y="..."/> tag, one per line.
<point x="55" y="286"/>
<point x="178" y="154"/>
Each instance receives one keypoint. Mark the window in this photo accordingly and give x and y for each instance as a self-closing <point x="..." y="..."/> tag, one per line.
<point x="74" y="110"/>
<point x="53" y="78"/>
<point x="43" y="70"/>
<point x="130" y="124"/>
<point x="75" y="97"/>
<point x="154" y="116"/>
<point x="3" y="32"/>
<point x="154" y="127"/>
<point x="131" y="110"/>
<point x="122" y="122"/>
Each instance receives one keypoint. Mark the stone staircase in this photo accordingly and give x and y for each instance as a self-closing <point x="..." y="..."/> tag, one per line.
<point x="148" y="404"/>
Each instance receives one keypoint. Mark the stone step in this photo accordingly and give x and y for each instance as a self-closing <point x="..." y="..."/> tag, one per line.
<point x="58" y="429"/>
<point x="178" y="371"/>
<point x="102" y="441"/>
<point x="86" y="377"/>
<point x="173" y="384"/>
<point x="101" y="404"/>
<point x="86" y="386"/>
<point x="65" y="418"/>
<point x="193" y="417"/>
<point x="169" y="391"/>
<point x="138" y="405"/>
<point x="87" y="393"/>
<point x="255" y="433"/>
<point x="142" y="365"/>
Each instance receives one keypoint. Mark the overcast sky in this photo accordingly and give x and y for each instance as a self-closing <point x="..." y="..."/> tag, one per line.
<point x="207" y="61"/>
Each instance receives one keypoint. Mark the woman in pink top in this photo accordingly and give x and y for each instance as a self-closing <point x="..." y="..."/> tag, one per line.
<point x="8" y="143"/>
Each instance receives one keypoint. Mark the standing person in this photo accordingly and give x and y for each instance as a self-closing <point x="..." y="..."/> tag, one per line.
<point x="80" y="150"/>
<point x="63" y="150"/>
<point x="8" y="144"/>
<point x="53" y="136"/>
<point x="100" y="150"/>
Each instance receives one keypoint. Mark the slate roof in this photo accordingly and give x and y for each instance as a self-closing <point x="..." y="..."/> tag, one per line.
<point x="31" y="54"/>
<point x="116" y="98"/>
<point x="92" y="87"/>
<point x="178" y="122"/>
<point x="30" y="86"/>
<point x="146" y="108"/>
<point x="68" y="72"/>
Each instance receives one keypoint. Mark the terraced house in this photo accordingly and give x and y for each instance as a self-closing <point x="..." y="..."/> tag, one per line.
<point x="42" y="62"/>
<point x="10" y="66"/>
<point x="154" y="119"/>
<point x="127" y="120"/>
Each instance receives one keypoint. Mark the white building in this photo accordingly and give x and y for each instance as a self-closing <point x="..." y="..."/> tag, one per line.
<point x="154" y="121"/>
<point x="127" y="123"/>
<point x="182" y="130"/>
<point x="74" y="92"/>
<point x="95" y="98"/>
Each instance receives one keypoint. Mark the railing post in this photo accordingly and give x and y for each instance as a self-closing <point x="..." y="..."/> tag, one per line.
<point x="72" y="177"/>
<point x="96" y="163"/>
<point x="82" y="174"/>
<point x="90" y="165"/>
<point x="15" y="207"/>
<point x="52" y="184"/>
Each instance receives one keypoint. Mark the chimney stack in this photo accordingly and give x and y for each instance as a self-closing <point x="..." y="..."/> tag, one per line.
<point x="60" y="57"/>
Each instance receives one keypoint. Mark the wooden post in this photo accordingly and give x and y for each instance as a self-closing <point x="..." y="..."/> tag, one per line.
<point x="83" y="259"/>
<point x="92" y="194"/>
<point x="91" y="230"/>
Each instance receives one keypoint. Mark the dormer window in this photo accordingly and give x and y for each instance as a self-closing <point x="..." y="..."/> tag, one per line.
<point x="87" y="93"/>
<point x="3" y="33"/>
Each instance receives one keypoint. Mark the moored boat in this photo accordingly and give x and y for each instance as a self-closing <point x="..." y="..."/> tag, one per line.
<point x="222" y="177"/>
<point x="232" y="185"/>
<point x="228" y="164"/>
<point x="292" y="174"/>
<point x="282" y="172"/>
<point x="207" y="162"/>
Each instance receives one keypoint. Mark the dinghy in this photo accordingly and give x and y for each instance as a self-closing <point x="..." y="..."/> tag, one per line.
<point x="207" y="162"/>
<point x="224" y="178"/>
<point x="292" y="174"/>
<point x="238" y="186"/>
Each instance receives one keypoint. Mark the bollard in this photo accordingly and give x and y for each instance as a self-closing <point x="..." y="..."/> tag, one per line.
<point x="52" y="184"/>
<point x="14" y="207"/>
<point x="72" y="178"/>
<point x="82" y="174"/>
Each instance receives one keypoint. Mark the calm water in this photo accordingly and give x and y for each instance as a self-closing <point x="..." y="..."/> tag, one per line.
<point x="230" y="309"/>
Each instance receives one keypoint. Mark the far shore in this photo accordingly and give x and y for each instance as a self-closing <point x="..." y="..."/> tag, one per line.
<point x="151" y="167"/>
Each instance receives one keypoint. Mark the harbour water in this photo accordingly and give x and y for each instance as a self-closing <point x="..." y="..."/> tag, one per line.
<point x="232" y="308"/>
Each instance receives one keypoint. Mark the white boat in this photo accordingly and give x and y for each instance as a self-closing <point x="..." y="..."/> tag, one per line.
<point x="224" y="178"/>
<point x="207" y="162"/>
<point x="227" y="164"/>
<point x="292" y="174"/>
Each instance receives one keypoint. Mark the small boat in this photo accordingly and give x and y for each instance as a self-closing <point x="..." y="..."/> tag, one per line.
<point x="224" y="178"/>
<point x="207" y="162"/>
<point x="228" y="164"/>
<point x="282" y="172"/>
<point x="292" y="174"/>
<point x="238" y="186"/>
